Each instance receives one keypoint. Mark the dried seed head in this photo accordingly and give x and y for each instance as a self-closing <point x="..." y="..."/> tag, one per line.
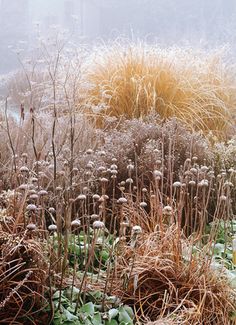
<point x="23" y="187"/>
<point x="143" y="204"/>
<point x="130" y="167"/>
<point x="31" y="226"/>
<point x="34" y="196"/>
<point x="89" y="151"/>
<point x="43" y="193"/>
<point x="98" y="225"/>
<point x="223" y="198"/>
<point x="103" y="180"/>
<point x="81" y="197"/>
<point x="24" y="169"/>
<point x="136" y="230"/>
<point x="204" y="169"/>
<point x="177" y="184"/>
<point x="59" y="188"/>
<point x="157" y="173"/>
<point x="52" y="210"/>
<point x="167" y="210"/>
<point x="192" y="183"/>
<point x="94" y="216"/>
<point x="203" y="183"/>
<point x="75" y="223"/>
<point x="96" y="197"/>
<point x="31" y="207"/>
<point x="193" y="170"/>
<point x="113" y="166"/>
<point x="129" y="181"/>
<point x="52" y="228"/>
<point x="122" y="200"/>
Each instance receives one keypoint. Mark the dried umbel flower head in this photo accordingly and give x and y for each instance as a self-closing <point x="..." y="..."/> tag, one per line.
<point x="192" y="183"/>
<point x="34" y="196"/>
<point x="157" y="174"/>
<point x="204" y="169"/>
<point x="98" y="225"/>
<point x="89" y="151"/>
<point x="52" y="228"/>
<point x="23" y="187"/>
<point x="129" y="181"/>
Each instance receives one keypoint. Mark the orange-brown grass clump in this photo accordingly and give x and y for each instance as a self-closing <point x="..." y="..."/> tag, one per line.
<point x="132" y="81"/>
<point x="23" y="272"/>
<point x="161" y="277"/>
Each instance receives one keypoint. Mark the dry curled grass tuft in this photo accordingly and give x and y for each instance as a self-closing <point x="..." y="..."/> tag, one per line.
<point x="23" y="272"/>
<point x="160" y="282"/>
<point x="134" y="80"/>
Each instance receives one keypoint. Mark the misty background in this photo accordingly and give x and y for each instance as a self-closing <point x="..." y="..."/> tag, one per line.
<point x="204" y="23"/>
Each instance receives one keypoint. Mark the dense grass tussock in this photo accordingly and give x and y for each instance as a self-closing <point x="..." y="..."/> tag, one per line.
<point x="197" y="88"/>
<point x="161" y="278"/>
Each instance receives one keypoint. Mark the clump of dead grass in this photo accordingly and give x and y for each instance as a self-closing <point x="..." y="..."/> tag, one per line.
<point x="161" y="278"/>
<point x="23" y="273"/>
<point x="134" y="80"/>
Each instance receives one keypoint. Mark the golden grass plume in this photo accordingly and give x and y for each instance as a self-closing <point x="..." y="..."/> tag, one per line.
<point x="131" y="81"/>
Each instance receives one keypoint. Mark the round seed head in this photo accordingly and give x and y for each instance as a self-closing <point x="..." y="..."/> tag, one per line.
<point x="98" y="225"/>
<point x="43" y="193"/>
<point x="24" y="169"/>
<point x="177" y="184"/>
<point x="167" y="210"/>
<point x="136" y="230"/>
<point x="75" y="223"/>
<point x="143" y="204"/>
<point x="52" y="210"/>
<point x="129" y="181"/>
<point x="96" y="197"/>
<point x="31" y="226"/>
<point x="31" y="207"/>
<point x="122" y="200"/>
<point x="52" y="228"/>
<point x="81" y="197"/>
